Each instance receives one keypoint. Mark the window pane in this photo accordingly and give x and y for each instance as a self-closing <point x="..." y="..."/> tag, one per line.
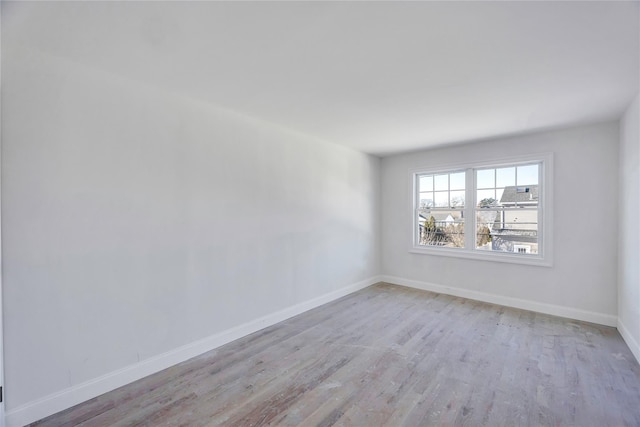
<point x="442" y="199"/>
<point x="520" y="196"/>
<point x="456" y="199"/>
<point x="514" y="230"/>
<point x="520" y="219"/>
<point x="486" y="197"/>
<point x="454" y="234"/>
<point x="485" y="220"/>
<point x="441" y="228"/>
<point x="528" y="175"/>
<point x="426" y="200"/>
<point x="426" y="183"/>
<point x="457" y="181"/>
<point x="441" y="182"/>
<point x="485" y="178"/>
<point x="505" y="177"/>
<point x="487" y="217"/>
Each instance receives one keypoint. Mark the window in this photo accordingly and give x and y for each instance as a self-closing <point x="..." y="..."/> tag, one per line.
<point x="507" y="208"/>
<point x="440" y="214"/>
<point x="498" y="211"/>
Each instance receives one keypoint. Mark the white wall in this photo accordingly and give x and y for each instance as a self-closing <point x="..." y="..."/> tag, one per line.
<point x="629" y="236"/>
<point x="136" y="221"/>
<point x="582" y="281"/>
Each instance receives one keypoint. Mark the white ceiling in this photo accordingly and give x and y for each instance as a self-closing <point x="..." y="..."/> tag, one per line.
<point x="381" y="77"/>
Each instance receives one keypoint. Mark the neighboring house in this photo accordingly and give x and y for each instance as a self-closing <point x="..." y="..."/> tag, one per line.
<point x="521" y="195"/>
<point x="443" y="219"/>
<point x="515" y="228"/>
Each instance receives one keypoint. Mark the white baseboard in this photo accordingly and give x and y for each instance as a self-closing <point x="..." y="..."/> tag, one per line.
<point x="555" y="310"/>
<point x="69" y="397"/>
<point x="628" y="338"/>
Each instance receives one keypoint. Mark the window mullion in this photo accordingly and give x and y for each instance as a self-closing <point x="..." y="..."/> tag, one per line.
<point x="416" y="206"/>
<point x="469" y="211"/>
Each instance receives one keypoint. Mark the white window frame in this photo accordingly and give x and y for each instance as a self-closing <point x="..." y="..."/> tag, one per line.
<point x="544" y="257"/>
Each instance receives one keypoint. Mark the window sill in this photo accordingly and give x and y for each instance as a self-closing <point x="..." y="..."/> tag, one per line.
<point x="483" y="256"/>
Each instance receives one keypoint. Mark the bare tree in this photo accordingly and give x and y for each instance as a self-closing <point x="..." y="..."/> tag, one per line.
<point x="427" y="232"/>
<point x="489" y="201"/>
<point x="430" y="233"/>
<point x="483" y="235"/>
<point x="455" y="234"/>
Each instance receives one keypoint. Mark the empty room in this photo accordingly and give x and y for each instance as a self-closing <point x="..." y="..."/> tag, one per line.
<point x="320" y="213"/>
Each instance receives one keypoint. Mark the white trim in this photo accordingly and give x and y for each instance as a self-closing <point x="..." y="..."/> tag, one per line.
<point x="545" y="208"/>
<point x="469" y="211"/>
<point x="2" y="348"/>
<point x="48" y="405"/>
<point x="539" y="307"/>
<point x="483" y="256"/>
<point x="629" y="340"/>
<point x="486" y="163"/>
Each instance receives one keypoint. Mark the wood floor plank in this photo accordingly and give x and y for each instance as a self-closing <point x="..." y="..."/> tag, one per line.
<point x="390" y="356"/>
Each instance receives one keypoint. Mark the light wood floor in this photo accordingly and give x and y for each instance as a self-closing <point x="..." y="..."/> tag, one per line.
<point x="391" y="356"/>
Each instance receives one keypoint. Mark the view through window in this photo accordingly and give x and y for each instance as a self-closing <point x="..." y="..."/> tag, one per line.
<point x="507" y="209"/>
<point x="441" y="209"/>
<point x="488" y="209"/>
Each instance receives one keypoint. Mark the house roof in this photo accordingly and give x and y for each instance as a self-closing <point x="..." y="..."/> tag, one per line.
<point x="520" y="194"/>
<point x="440" y="216"/>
